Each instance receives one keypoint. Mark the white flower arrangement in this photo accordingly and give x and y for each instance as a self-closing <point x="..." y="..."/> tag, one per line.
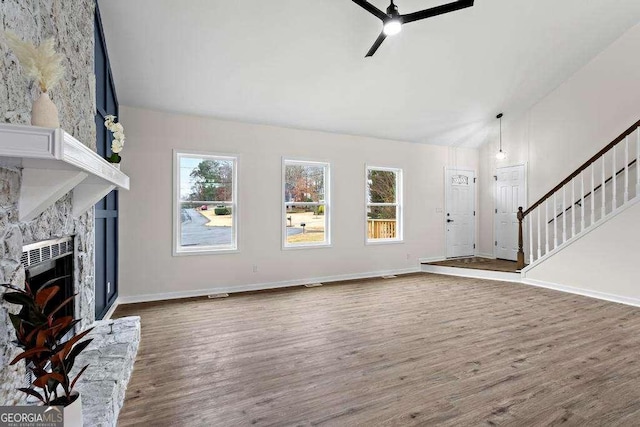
<point x="118" y="138"/>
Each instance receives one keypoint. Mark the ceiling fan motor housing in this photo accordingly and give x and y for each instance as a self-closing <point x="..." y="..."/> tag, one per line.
<point x="392" y="10"/>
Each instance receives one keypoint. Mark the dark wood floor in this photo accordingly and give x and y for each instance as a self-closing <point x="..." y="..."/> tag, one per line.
<point x="478" y="263"/>
<point x="416" y="350"/>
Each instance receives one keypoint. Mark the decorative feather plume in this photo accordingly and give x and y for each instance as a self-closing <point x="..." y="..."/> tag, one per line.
<point x="40" y="63"/>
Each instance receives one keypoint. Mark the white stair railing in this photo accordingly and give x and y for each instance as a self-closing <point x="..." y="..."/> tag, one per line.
<point x="563" y="213"/>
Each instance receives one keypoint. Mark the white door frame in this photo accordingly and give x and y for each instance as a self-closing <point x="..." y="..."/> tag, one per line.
<point x="495" y="198"/>
<point x="475" y="206"/>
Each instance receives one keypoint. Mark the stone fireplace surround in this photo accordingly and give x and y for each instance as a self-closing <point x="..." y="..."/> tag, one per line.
<point x="111" y="354"/>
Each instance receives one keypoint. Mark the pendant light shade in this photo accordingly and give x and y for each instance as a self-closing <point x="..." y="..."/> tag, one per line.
<point x="500" y="155"/>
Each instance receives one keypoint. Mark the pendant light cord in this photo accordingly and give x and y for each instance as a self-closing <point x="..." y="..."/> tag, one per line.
<point x="499" y="117"/>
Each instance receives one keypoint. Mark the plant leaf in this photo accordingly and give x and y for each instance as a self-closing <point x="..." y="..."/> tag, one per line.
<point x="67" y="328"/>
<point x="71" y="358"/>
<point x="18" y="298"/>
<point x="69" y="344"/>
<point x="43" y="380"/>
<point x="52" y="281"/>
<point x="62" y="304"/>
<point x="16" y="321"/>
<point x="44" y="295"/>
<point x="32" y="392"/>
<point x="73" y="383"/>
<point x="28" y="353"/>
<point x="14" y="288"/>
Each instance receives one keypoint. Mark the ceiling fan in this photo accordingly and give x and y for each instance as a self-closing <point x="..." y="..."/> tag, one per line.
<point x="392" y="20"/>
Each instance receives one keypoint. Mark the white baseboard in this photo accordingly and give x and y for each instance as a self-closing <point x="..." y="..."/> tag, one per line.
<point x="109" y="313"/>
<point x="500" y="276"/>
<point x="432" y="259"/>
<point x="260" y="286"/>
<point x="584" y="292"/>
<point x="483" y="255"/>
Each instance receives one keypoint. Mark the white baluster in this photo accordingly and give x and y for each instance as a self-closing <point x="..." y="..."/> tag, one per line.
<point x="564" y="214"/>
<point x="604" y="185"/>
<point x="573" y="207"/>
<point x="638" y="163"/>
<point x="546" y="226"/>
<point x="626" y="169"/>
<point x="539" y="239"/>
<point x="582" y="201"/>
<point x="530" y="219"/>
<point x="555" y="220"/>
<point x="593" y="193"/>
<point x="614" y="189"/>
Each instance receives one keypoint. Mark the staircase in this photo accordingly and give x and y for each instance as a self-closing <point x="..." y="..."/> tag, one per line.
<point x="603" y="186"/>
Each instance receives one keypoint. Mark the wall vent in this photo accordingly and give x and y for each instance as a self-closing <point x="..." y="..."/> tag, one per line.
<point x="46" y="250"/>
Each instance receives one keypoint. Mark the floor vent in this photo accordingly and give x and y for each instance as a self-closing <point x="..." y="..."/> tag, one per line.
<point x="216" y="296"/>
<point x="391" y="276"/>
<point x="312" y="285"/>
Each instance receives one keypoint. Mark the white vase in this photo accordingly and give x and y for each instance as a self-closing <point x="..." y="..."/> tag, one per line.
<point x="73" y="413"/>
<point x="44" y="112"/>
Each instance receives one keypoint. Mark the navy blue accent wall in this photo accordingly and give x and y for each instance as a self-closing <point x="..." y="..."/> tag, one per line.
<point x="106" y="229"/>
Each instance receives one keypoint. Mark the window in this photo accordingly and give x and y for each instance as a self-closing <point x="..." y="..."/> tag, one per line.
<point x="384" y="205"/>
<point x="306" y="204"/>
<point x="206" y="209"/>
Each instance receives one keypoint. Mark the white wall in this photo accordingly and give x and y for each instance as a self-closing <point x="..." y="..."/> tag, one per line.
<point x="566" y="127"/>
<point x="603" y="262"/>
<point x="147" y="268"/>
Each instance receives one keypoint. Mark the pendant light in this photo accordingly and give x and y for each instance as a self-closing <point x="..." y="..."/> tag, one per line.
<point x="500" y="155"/>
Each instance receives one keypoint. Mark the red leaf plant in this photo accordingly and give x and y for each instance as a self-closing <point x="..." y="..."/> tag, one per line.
<point x="40" y="335"/>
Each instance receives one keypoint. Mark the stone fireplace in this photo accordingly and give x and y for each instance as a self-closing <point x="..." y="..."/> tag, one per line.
<point x="72" y="25"/>
<point x="55" y="225"/>
<point x="58" y="239"/>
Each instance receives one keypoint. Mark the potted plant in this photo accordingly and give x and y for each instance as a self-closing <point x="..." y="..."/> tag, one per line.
<point x="44" y="66"/>
<point x="41" y="336"/>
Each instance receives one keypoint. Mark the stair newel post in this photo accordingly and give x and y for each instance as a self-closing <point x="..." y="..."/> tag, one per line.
<point x="520" y="264"/>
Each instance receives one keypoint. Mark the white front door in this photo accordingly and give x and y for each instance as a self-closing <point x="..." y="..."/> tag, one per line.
<point x="459" y="212"/>
<point x="510" y="194"/>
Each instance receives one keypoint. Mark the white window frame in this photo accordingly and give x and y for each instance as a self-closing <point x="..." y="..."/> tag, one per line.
<point x="178" y="249"/>
<point x="398" y="204"/>
<point x="327" y="203"/>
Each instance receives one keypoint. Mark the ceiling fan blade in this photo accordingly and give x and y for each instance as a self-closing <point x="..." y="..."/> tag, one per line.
<point x="376" y="45"/>
<point x="371" y="9"/>
<point x="435" y="11"/>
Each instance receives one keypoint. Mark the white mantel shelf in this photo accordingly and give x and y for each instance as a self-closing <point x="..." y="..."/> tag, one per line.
<point x="53" y="164"/>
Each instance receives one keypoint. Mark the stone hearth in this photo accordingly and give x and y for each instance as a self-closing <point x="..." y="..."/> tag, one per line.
<point x="110" y="356"/>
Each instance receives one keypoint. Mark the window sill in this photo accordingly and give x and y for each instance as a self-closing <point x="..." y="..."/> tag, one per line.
<point x="206" y="252"/>
<point x="295" y="248"/>
<point x="383" y="242"/>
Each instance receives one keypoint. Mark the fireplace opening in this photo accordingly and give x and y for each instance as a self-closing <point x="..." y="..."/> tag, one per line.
<point x="47" y="260"/>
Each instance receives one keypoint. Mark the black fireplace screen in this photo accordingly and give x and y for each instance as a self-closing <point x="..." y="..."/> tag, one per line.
<point x="44" y="261"/>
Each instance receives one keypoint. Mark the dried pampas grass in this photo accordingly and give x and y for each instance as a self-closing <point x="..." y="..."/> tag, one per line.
<point x="40" y="63"/>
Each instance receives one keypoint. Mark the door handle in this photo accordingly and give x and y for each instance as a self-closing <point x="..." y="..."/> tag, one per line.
<point x="449" y="220"/>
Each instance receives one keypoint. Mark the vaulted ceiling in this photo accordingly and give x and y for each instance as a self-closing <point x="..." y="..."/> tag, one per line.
<point x="300" y="63"/>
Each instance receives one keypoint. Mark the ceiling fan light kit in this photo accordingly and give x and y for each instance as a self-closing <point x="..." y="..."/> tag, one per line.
<point x="392" y="21"/>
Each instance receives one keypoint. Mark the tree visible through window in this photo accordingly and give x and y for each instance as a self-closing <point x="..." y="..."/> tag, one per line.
<point x="306" y="203"/>
<point x="206" y="203"/>
<point x="383" y="204"/>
